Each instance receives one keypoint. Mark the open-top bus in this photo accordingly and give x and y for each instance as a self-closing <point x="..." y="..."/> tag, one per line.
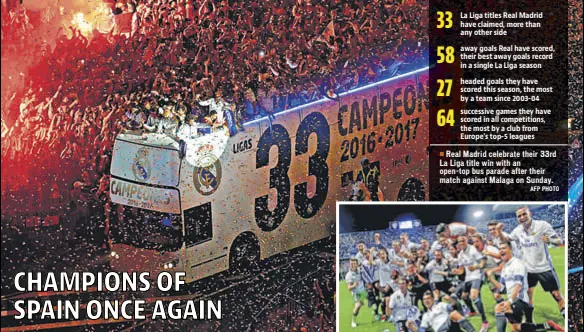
<point x="219" y="202"/>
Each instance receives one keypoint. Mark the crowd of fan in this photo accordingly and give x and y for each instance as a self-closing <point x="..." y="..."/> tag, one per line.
<point x="347" y="240"/>
<point x="575" y="155"/>
<point x="575" y="214"/>
<point x="263" y="57"/>
<point x="575" y="63"/>
<point x="576" y="300"/>
<point x="315" y="312"/>
<point x="575" y="79"/>
<point x="575" y="235"/>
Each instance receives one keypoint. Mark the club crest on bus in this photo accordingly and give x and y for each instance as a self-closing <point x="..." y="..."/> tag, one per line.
<point x="207" y="173"/>
<point x="141" y="165"/>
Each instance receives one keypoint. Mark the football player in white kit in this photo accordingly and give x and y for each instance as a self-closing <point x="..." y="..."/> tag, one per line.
<point x="473" y="262"/>
<point x="370" y="277"/>
<point x="455" y="229"/>
<point x="397" y="256"/>
<point x="442" y="243"/>
<point x="406" y="244"/>
<point x="493" y="266"/>
<point x="387" y="273"/>
<point x="355" y="285"/>
<point x="361" y="248"/>
<point x="514" y="279"/>
<point x="533" y="237"/>
<point x="402" y="307"/>
<point x="494" y="231"/>
<point x="440" y="317"/>
<point x="438" y="271"/>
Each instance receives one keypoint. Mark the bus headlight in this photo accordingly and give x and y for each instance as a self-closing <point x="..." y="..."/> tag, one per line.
<point x="170" y="265"/>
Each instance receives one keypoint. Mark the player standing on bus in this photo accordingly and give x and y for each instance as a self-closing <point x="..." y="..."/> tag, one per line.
<point x="370" y="177"/>
<point x="533" y="237"/>
<point x="189" y="129"/>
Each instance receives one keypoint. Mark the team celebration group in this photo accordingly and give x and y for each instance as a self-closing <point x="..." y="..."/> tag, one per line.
<point x="447" y="277"/>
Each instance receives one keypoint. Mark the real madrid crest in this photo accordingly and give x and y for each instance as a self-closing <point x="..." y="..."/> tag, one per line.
<point x="207" y="173"/>
<point x="141" y="164"/>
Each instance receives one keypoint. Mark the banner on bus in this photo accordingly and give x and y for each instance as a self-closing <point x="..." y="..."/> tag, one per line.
<point x="145" y="197"/>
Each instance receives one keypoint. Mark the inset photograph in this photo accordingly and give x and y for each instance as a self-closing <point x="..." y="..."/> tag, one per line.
<point x="451" y="266"/>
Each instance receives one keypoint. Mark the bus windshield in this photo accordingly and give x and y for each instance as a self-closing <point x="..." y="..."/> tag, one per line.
<point x="148" y="230"/>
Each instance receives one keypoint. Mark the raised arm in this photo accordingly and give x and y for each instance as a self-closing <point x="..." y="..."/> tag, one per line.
<point x="502" y="236"/>
<point x="550" y="235"/>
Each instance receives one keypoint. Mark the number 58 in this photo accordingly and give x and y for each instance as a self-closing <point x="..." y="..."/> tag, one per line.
<point x="445" y="53"/>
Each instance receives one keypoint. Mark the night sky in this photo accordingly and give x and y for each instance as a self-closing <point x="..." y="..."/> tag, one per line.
<point x="354" y="218"/>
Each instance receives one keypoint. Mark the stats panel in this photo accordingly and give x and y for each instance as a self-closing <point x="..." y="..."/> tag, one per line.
<point x="498" y="79"/>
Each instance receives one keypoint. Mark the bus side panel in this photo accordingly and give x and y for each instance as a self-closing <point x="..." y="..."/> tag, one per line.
<point x="387" y="124"/>
<point x="405" y="138"/>
<point x="391" y="132"/>
<point x="228" y="203"/>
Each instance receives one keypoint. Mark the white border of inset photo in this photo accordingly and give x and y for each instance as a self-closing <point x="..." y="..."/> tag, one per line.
<point x="493" y="203"/>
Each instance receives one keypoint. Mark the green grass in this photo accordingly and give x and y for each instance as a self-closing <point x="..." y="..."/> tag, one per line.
<point x="545" y="305"/>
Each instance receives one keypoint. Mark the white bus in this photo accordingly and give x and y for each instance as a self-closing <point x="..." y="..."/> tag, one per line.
<point x="226" y="202"/>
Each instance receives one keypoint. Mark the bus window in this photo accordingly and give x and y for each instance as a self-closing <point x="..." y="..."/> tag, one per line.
<point x="147" y="230"/>
<point x="198" y="224"/>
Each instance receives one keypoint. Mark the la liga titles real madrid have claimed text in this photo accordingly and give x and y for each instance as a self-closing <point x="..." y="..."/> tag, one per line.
<point x="131" y="309"/>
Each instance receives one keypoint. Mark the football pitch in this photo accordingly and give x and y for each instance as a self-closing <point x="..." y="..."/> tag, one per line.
<point x="545" y="305"/>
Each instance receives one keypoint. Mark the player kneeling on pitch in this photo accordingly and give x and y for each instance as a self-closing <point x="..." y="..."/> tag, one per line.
<point x="514" y="279"/>
<point x="441" y="317"/>
<point x="402" y="308"/>
<point x="355" y="286"/>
